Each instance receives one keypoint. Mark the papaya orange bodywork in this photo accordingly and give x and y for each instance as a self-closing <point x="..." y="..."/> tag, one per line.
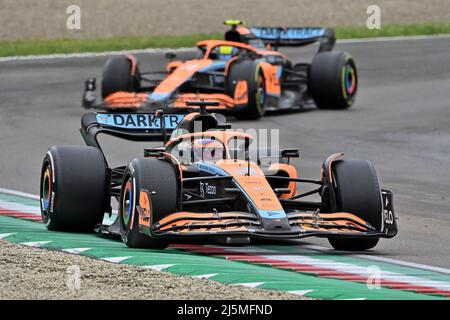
<point x="270" y="75"/>
<point x="125" y="100"/>
<point x="291" y="172"/>
<point x="146" y="212"/>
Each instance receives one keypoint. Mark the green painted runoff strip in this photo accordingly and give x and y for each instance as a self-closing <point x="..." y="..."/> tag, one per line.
<point x="191" y="264"/>
<point x="20" y="200"/>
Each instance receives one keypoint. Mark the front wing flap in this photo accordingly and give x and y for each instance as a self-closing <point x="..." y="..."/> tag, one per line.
<point x="302" y="224"/>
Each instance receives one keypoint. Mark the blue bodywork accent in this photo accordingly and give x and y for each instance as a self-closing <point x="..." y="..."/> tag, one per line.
<point x="158" y="96"/>
<point x="45" y="204"/>
<point x="279" y="72"/>
<point x="216" y="65"/>
<point x="213" y="169"/>
<point x="287" y="34"/>
<point x="131" y="204"/>
<point x="210" y="168"/>
<point x="272" y="214"/>
<point x="139" y="120"/>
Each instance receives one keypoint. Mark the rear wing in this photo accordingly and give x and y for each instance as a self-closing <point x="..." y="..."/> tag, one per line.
<point x="146" y="126"/>
<point x="130" y="126"/>
<point x="301" y="36"/>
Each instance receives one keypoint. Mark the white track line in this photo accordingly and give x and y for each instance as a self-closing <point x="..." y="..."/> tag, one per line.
<point x="382" y="259"/>
<point x="359" y="271"/>
<point x="116" y="259"/>
<point x="404" y="263"/>
<point x="91" y="54"/>
<point x="249" y="284"/>
<point x="35" y="244"/>
<point x="19" y="194"/>
<point x="341" y="267"/>
<point x="75" y="250"/>
<point x="205" y="276"/>
<point x="261" y="251"/>
<point x="158" y="267"/>
<point x="162" y="50"/>
<point x="392" y="39"/>
<point x="5" y="235"/>
<point x="300" y="292"/>
<point x="9" y="205"/>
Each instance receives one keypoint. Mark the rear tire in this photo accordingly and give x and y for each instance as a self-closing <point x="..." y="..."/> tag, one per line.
<point x="159" y="179"/>
<point x="118" y="76"/>
<point x="357" y="191"/>
<point x="251" y="72"/>
<point x="333" y="80"/>
<point x="73" y="188"/>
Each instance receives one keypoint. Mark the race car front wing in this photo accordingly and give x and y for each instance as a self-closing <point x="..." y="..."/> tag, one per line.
<point x="301" y="224"/>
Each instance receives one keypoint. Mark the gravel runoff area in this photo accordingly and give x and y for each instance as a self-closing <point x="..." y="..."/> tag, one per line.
<point x="33" y="273"/>
<point x="46" y="19"/>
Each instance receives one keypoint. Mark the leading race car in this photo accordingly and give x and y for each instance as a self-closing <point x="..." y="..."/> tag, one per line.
<point x="204" y="184"/>
<point x="245" y="72"/>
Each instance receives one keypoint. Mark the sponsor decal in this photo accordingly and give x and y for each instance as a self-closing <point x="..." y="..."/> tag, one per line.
<point x="287" y="34"/>
<point x="139" y="120"/>
<point x="210" y="168"/>
<point x="245" y="171"/>
<point x="258" y="188"/>
<point x="388" y="216"/>
<point x="52" y="202"/>
<point x="272" y="214"/>
<point x="269" y="214"/>
<point x="207" y="190"/>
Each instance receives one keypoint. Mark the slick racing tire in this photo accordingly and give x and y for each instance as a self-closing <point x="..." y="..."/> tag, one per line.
<point x="333" y="80"/>
<point x="118" y="75"/>
<point x="73" y="188"/>
<point x="158" y="179"/>
<point x="251" y="72"/>
<point x="357" y="191"/>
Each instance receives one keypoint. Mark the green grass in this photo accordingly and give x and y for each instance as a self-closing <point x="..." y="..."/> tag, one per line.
<point x="37" y="47"/>
<point x="393" y="30"/>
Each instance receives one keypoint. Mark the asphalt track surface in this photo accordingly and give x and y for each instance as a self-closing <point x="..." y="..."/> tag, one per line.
<point x="401" y="122"/>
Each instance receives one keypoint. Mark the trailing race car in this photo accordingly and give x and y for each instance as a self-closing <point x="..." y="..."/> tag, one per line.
<point x="203" y="184"/>
<point x="245" y="73"/>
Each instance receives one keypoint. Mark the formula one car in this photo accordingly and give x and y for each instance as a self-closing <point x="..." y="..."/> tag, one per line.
<point x="203" y="184"/>
<point x="245" y="73"/>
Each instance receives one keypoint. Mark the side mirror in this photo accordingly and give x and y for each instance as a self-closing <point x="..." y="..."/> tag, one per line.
<point x="170" y="55"/>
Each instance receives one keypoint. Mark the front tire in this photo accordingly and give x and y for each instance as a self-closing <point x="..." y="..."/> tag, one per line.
<point x="333" y="80"/>
<point x="251" y="72"/>
<point x="158" y="178"/>
<point x="357" y="191"/>
<point x="119" y="74"/>
<point x="73" y="188"/>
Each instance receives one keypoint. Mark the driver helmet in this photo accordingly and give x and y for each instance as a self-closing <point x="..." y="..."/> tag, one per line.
<point x="224" y="52"/>
<point x="208" y="149"/>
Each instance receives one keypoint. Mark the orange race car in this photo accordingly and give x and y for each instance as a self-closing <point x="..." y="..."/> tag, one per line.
<point x="245" y="73"/>
<point x="207" y="181"/>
